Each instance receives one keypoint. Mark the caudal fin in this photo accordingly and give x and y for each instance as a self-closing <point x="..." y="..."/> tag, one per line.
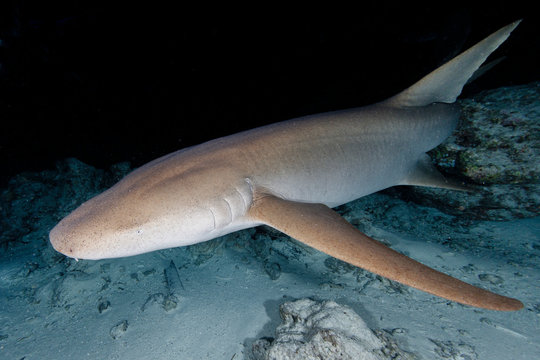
<point x="444" y="84"/>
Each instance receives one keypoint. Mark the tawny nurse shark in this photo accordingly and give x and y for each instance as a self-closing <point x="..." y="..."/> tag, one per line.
<point x="289" y="175"/>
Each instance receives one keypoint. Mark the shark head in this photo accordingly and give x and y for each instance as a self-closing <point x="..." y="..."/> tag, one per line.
<point x="141" y="214"/>
<point x="107" y="226"/>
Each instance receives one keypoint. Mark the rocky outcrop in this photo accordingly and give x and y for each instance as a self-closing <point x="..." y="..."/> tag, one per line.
<point x="495" y="149"/>
<point x="312" y="330"/>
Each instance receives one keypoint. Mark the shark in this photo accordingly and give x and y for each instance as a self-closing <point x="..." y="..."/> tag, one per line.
<point x="289" y="176"/>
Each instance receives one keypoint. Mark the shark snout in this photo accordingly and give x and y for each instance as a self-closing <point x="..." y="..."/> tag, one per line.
<point x="60" y="241"/>
<point x="74" y="238"/>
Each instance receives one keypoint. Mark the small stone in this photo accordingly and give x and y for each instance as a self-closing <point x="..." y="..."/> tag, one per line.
<point x="170" y="302"/>
<point x="273" y="270"/>
<point x="492" y="279"/>
<point x="119" y="329"/>
<point x="103" y="306"/>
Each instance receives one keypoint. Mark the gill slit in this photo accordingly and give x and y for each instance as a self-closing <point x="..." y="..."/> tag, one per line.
<point x="230" y="210"/>
<point x="213" y="217"/>
<point x="243" y="199"/>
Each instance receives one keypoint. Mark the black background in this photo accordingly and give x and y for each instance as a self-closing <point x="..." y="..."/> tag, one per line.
<point x="112" y="83"/>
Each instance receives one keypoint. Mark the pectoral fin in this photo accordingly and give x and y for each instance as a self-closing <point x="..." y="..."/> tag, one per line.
<point x="323" y="229"/>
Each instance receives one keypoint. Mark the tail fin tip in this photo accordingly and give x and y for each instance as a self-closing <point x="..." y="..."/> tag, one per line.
<point x="446" y="82"/>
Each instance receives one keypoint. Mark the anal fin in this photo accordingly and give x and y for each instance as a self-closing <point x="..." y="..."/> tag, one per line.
<point x="323" y="229"/>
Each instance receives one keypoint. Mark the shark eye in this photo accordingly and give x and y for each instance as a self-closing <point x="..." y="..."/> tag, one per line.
<point x="139" y="231"/>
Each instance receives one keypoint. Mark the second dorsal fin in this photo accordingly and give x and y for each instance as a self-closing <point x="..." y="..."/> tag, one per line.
<point x="424" y="173"/>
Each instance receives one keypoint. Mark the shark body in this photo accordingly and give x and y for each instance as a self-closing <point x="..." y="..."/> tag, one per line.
<point x="289" y="175"/>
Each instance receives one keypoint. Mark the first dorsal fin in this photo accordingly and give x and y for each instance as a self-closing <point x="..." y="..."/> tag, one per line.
<point x="446" y="82"/>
